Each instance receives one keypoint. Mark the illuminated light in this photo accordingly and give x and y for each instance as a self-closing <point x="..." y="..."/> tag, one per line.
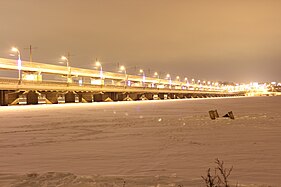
<point x="96" y="81"/>
<point x="141" y="71"/>
<point x="122" y="68"/>
<point x="155" y="74"/>
<point x="168" y="76"/>
<point x="80" y="82"/>
<point x="64" y="58"/>
<point x="14" y="49"/>
<point x="98" y="63"/>
<point x="30" y="77"/>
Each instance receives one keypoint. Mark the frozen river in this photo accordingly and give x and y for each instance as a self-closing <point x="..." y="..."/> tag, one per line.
<point x="142" y="141"/>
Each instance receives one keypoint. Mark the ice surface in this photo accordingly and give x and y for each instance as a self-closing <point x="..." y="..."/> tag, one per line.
<point x="146" y="143"/>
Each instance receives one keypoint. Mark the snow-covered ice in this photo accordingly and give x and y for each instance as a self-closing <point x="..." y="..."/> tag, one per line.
<point x="145" y="143"/>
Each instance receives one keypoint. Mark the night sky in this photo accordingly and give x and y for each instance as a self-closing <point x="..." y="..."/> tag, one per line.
<point x="234" y="40"/>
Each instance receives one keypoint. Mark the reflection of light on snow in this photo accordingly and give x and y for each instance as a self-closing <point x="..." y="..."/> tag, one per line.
<point x="160" y="119"/>
<point x="183" y="124"/>
<point x="114" y="112"/>
<point x="126" y="114"/>
<point x="140" y="117"/>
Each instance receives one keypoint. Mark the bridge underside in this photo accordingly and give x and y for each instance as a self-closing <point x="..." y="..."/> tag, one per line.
<point x="23" y="97"/>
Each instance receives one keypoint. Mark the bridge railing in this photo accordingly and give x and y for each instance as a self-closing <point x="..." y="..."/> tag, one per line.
<point x="59" y="85"/>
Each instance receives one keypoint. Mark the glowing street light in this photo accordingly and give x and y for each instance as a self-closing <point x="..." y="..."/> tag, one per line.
<point x="178" y="78"/>
<point x="192" y="81"/>
<point x="204" y="82"/>
<point x="158" y="76"/>
<point x="98" y="64"/>
<point x="68" y="68"/>
<point x="122" y="68"/>
<point x="168" y="76"/>
<point x="14" y="49"/>
<point x="143" y="77"/>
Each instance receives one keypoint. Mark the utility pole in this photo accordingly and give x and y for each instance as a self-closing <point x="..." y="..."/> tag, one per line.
<point x="30" y="48"/>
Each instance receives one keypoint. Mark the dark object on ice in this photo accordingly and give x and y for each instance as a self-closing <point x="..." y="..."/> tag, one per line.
<point x="226" y="116"/>
<point x="212" y="114"/>
<point x="216" y="113"/>
<point x="229" y="115"/>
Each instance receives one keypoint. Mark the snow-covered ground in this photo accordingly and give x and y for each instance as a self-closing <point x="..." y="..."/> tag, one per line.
<point x="145" y="143"/>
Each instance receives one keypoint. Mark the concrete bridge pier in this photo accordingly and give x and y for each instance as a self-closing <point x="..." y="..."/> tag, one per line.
<point x="147" y="96"/>
<point x="179" y="96"/>
<point x="107" y="97"/>
<point x="85" y="97"/>
<point x="163" y="96"/>
<point x="4" y="98"/>
<point x="51" y="97"/>
<point x="134" y="96"/>
<point x="72" y="97"/>
<point x="188" y="96"/>
<point x="31" y="97"/>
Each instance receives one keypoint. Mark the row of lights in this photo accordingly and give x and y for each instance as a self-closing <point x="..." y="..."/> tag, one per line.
<point x="122" y="69"/>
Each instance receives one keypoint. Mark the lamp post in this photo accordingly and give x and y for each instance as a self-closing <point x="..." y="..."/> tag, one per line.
<point x="98" y="64"/>
<point x="68" y="68"/>
<point x="143" y="77"/>
<point x="186" y="81"/>
<point x="168" y="76"/>
<point x="14" y="49"/>
<point x="158" y="76"/>
<point x="122" y="68"/>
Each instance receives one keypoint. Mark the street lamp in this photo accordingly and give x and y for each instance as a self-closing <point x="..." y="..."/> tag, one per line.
<point x="98" y="64"/>
<point x="14" y="49"/>
<point x="178" y="78"/>
<point x="158" y="76"/>
<point x="68" y="68"/>
<point x="168" y="76"/>
<point x="143" y="77"/>
<point x="122" y="68"/>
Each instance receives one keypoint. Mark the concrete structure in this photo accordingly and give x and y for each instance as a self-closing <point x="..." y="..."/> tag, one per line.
<point x="32" y="88"/>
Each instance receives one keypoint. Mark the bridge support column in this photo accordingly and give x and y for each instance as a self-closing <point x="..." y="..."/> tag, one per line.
<point x="3" y="98"/>
<point x="134" y="96"/>
<point x="86" y="97"/>
<point x="31" y="97"/>
<point x="120" y="96"/>
<point x="100" y="97"/>
<point x="71" y="97"/>
<point x="163" y="96"/>
<point x="61" y="97"/>
<point x="149" y="96"/>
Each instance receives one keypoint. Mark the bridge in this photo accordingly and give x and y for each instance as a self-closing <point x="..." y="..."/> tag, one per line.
<point x="70" y="84"/>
